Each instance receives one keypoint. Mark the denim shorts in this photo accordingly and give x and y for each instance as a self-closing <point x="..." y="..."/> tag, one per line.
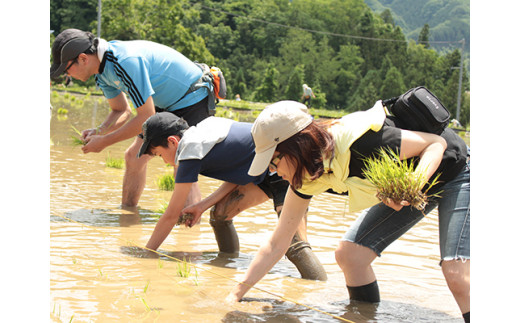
<point x="377" y="227"/>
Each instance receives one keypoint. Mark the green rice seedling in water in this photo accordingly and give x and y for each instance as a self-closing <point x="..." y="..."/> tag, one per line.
<point x="77" y="141"/>
<point x="183" y="268"/>
<point x="166" y="182"/>
<point x="148" y="309"/>
<point x="112" y="162"/>
<point x="160" y="264"/>
<point x="396" y="179"/>
<point x="160" y="211"/>
<point x="196" y="279"/>
<point x="62" y="111"/>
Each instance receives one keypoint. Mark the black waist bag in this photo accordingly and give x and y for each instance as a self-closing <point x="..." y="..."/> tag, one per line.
<point x="418" y="109"/>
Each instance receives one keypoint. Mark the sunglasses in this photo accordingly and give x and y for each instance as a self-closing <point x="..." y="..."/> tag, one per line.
<point x="73" y="62"/>
<point x="273" y="164"/>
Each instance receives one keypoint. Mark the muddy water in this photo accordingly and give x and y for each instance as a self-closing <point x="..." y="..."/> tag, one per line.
<point x="98" y="273"/>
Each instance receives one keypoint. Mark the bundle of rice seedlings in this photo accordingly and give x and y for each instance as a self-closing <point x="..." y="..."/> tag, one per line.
<point x="166" y="182"/>
<point x="184" y="217"/>
<point x="114" y="162"/>
<point x="77" y="141"/>
<point x="396" y="179"/>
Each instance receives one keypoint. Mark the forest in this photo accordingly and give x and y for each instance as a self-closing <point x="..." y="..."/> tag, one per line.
<point x="348" y="54"/>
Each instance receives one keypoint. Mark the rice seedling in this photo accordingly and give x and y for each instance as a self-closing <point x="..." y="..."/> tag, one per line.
<point x="166" y="182"/>
<point x="112" y="162"/>
<point x="161" y="209"/>
<point x="62" y="111"/>
<point x="183" y="268"/>
<point x="396" y="179"/>
<point x="77" y="141"/>
<point x="184" y="217"/>
<point x="146" y="287"/>
<point x="148" y="309"/>
<point x="160" y="264"/>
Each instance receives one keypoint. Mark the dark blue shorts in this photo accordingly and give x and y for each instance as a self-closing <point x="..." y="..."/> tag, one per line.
<point x="275" y="187"/>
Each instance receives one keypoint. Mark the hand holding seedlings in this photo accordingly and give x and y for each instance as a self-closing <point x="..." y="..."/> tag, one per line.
<point x="184" y="218"/>
<point x="397" y="182"/>
<point x="77" y="141"/>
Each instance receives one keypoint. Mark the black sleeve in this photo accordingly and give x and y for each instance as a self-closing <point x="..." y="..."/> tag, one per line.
<point x="368" y="146"/>
<point x="303" y="196"/>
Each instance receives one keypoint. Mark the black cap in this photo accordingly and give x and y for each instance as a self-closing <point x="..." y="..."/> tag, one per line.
<point x="161" y="125"/>
<point x="67" y="46"/>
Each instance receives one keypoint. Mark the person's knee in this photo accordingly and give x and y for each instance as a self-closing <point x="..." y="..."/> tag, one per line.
<point x="342" y="255"/>
<point x="456" y="273"/>
<point x="217" y="215"/>
<point x="351" y="256"/>
<point x="131" y="160"/>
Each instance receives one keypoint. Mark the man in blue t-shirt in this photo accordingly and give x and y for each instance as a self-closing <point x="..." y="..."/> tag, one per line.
<point x="155" y="78"/>
<point x="222" y="149"/>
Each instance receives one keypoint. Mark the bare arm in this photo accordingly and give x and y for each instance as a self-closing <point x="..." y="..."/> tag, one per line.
<point x="120" y="113"/>
<point x="114" y="126"/>
<point x="197" y="209"/>
<point x="170" y="217"/>
<point x="430" y="149"/>
<point x="292" y="213"/>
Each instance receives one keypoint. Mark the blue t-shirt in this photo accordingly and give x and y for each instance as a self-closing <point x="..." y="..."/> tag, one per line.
<point x="229" y="160"/>
<point x="142" y="69"/>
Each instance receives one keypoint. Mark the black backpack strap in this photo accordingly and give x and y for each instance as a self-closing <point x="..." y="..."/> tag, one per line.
<point x="389" y="102"/>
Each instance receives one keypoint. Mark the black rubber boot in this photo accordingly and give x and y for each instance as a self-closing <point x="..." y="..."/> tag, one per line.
<point x="301" y="255"/>
<point x="366" y="293"/>
<point x="226" y="236"/>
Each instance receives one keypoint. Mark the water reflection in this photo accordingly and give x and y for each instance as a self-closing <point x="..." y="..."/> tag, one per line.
<point x="348" y="311"/>
<point x="99" y="272"/>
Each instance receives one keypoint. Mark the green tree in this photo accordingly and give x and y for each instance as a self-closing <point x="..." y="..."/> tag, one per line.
<point x="293" y="90"/>
<point x="386" y="15"/>
<point x="267" y="90"/>
<point x="77" y="14"/>
<point x="393" y="84"/>
<point x="154" y="20"/>
<point x="367" y="92"/>
<point x="240" y="85"/>
<point x="424" y="36"/>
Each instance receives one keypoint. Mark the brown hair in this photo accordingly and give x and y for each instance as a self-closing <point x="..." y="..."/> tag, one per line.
<point x="307" y="150"/>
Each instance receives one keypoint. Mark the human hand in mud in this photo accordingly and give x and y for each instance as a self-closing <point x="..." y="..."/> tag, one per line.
<point x="232" y="298"/>
<point x="94" y="144"/>
<point x="138" y="252"/>
<point x="195" y="211"/>
<point x="185" y="219"/>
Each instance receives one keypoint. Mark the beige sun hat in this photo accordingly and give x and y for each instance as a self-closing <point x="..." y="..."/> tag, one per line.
<point x="276" y="123"/>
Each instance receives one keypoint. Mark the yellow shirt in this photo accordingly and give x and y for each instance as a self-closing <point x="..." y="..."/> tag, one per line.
<point x="346" y="131"/>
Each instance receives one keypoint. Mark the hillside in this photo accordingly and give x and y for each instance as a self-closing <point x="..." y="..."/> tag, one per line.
<point x="448" y="20"/>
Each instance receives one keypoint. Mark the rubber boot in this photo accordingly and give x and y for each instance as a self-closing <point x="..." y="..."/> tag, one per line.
<point x="367" y="293"/>
<point x="225" y="234"/>
<point x="301" y="255"/>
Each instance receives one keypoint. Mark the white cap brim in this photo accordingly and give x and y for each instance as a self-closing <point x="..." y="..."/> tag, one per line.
<point x="261" y="161"/>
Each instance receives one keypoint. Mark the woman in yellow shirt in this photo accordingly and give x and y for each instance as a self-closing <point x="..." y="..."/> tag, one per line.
<point x="322" y="156"/>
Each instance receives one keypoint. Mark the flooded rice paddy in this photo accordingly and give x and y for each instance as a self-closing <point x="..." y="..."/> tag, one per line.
<point x="99" y="274"/>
